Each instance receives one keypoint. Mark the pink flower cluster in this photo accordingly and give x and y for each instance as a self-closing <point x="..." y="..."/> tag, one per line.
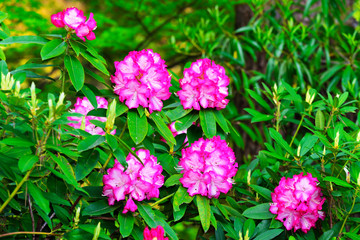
<point x="154" y="234"/>
<point x="208" y="167"/>
<point x="73" y="18"/>
<point x="298" y="202"/>
<point x="84" y="106"/>
<point x="138" y="181"/>
<point x="205" y="84"/>
<point x="142" y="79"/>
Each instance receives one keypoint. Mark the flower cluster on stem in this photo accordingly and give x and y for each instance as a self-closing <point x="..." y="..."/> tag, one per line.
<point x="141" y="79"/>
<point x="138" y="181"/>
<point x="205" y="83"/>
<point x="74" y="20"/>
<point x="208" y="166"/>
<point x="298" y="201"/>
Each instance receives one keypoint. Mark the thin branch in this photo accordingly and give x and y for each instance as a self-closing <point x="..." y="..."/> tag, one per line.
<point x="32" y="216"/>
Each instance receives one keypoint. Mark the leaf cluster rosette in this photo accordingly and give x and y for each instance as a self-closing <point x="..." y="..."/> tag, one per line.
<point x="74" y="19"/>
<point x="141" y="79"/>
<point x="298" y="201"/>
<point x="208" y="166"/>
<point x="138" y="181"/>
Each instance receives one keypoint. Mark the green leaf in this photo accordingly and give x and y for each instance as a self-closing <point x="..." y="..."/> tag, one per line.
<point x="320" y="120"/>
<point x="249" y="227"/>
<point x="75" y="46"/>
<point x="269" y="234"/>
<point x="221" y="120"/>
<point x="173" y="180"/>
<point x="86" y="164"/>
<point x="27" y="162"/>
<point x="208" y="122"/>
<point x="2" y="55"/>
<point x="24" y="40"/>
<point x="90" y="95"/>
<point x="126" y="222"/>
<point x="163" y="128"/>
<point x="330" y="73"/>
<point x="352" y="235"/>
<point x="279" y="140"/>
<point x="260" y="100"/>
<point x="181" y="196"/>
<point x="4" y="195"/>
<point x="148" y="215"/>
<point x="167" y="162"/>
<point x="185" y="122"/>
<point x="179" y="214"/>
<point x="17" y="142"/>
<point x="38" y="197"/>
<point x="52" y="49"/>
<point x="95" y="62"/>
<point x="138" y="126"/>
<point x="203" y="205"/>
<point x="177" y="113"/>
<point x="257" y="116"/>
<point x="90" y="142"/>
<point x="260" y="211"/>
<point x="3" y="16"/>
<point x="99" y="208"/>
<point x="338" y="182"/>
<point x="75" y="70"/>
<point x="266" y="193"/>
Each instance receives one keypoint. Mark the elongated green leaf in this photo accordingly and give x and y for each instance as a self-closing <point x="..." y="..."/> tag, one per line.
<point x="3" y="16"/>
<point x="177" y="113"/>
<point x="260" y="211"/>
<point x="257" y="116"/>
<point x="75" y="70"/>
<point x="173" y="180"/>
<point x="208" y="123"/>
<point x="163" y="128"/>
<point x="269" y="234"/>
<point x="320" y="120"/>
<point x="27" y="162"/>
<point x="203" y="205"/>
<point x="86" y="164"/>
<point x="90" y="142"/>
<point x="221" y="120"/>
<point x="24" y="40"/>
<point x="52" y="49"/>
<point x="138" y="126"/>
<point x="148" y="215"/>
<point x="17" y="142"/>
<point x="260" y="100"/>
<point x="278" y="139"/>
<point x="181" y="196"/>
<point x="338" y="182"/>
<point x="90" y="95"/>
<point x="126" y="222"/>
<point x="266" y="193"/>
<point x="185" y="122"/>
<point x="38" y="197"/>
<point x="352" y="235"/>
<point x="95" y="62"/>
<point x="99" y="208"/>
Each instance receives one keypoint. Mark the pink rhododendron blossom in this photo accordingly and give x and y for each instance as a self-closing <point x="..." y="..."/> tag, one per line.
<point x="141" y="79"/>
<point x="84" y="106"/>
<point x="208" y="167"/>
<point x="75" y="21"/>
<point x="154" y="234"/>
<point x="298" y="202"/>
<point x="136" y="182"/>
<point x="204" y="83"/>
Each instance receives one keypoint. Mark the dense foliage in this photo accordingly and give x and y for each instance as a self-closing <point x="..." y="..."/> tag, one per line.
<point x="163" y="135"/>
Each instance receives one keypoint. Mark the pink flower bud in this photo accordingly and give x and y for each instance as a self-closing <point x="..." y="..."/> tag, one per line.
<point x="58" y="19"/>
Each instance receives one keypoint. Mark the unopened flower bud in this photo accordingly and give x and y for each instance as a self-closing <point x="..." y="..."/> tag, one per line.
<point x="247" y="235"/>
<point x="324" y="151"/>
<point x="17" y="89"/>
<point x="347" y="174"/>
<point x="97" y="232"/>
<point x="33" y="106"/>
<point x="336" y="141"/>
<point x="358" y="180"/>
<point x="249" y="177"/>
<point x="310" y="96"/>
<point x="240" y="236"/>
<point x="110" y="114"/>
<point x="61" y="100"/>
<point x="358" y="137"/>
<point x="77" y="217"/>
<point x="298" y="151"/>
<point x="51" y="110"/>
<point x="7" y="82"/>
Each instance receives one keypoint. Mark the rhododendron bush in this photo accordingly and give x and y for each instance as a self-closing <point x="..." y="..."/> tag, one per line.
<point x="134" y="149"/>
